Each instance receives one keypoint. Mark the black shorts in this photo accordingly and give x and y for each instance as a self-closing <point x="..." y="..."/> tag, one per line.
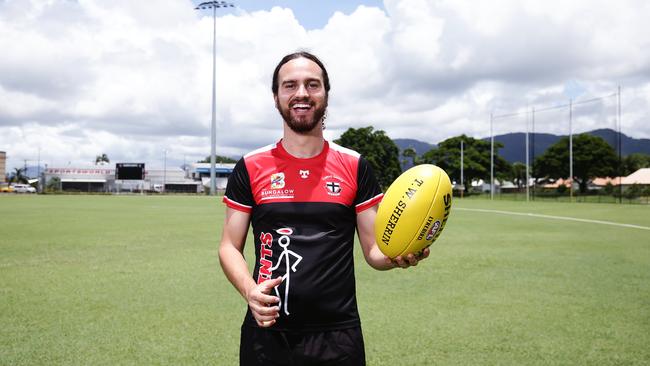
<point x="261" y="346"/>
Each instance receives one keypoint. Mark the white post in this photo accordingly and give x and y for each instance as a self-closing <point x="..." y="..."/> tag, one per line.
<point x="527" y="160"/>
<point x="491" y="157"/>
<point x="571" y="147"/>
<point x="164" y="190"/>
<point x="618" y="120"/>
<point x="40" y="180"/>
<point x="532" y="122"/>
<point x="213" y="135"/>
<point x="462" y="185"/>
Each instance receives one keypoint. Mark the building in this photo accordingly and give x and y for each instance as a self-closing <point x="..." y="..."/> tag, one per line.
<point x="201" y="172"/>
<point x="101" y="178"/>
<point x="598" y="183"/>
<point x="641" y="176"/>
<point x="171" y="181"/>
<point x="3" y="166"/>
<point x="97" y="178"/>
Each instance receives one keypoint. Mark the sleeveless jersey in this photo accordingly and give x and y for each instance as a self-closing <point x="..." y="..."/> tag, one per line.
<point x="303" y="215"/>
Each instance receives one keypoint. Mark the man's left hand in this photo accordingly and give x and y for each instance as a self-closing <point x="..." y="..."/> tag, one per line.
<point x="409" y="260"/>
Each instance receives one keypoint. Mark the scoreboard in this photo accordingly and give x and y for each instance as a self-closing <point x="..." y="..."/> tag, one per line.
<point x="129" y="171"/>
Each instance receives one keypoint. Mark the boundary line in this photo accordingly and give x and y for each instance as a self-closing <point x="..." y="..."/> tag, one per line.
<point x="554" y="217"/>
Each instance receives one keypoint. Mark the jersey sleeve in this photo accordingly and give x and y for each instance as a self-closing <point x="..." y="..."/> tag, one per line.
<point x="238" y="191"/>
<point x="368" y="192"/>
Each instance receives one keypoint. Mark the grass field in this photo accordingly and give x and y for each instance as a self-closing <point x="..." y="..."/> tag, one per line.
<point x="135" y="280"/>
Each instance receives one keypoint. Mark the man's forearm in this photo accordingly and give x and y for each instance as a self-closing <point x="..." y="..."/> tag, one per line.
<point x="235" y="268"/>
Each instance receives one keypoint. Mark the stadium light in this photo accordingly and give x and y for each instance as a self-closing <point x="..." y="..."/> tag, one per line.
<point x="214" y="5"/>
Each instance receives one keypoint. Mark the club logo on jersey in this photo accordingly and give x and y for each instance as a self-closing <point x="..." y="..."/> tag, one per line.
<point x="333" y="185"/>
<point x="333" y="188"/>
<point x="304" y="174"/>
<point x="277" y="181"/>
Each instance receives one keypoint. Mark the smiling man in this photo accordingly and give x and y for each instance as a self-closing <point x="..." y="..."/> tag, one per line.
<point x="304" y="197"/>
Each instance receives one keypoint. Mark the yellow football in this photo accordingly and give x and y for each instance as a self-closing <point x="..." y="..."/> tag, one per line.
<point x="414" y="211"/>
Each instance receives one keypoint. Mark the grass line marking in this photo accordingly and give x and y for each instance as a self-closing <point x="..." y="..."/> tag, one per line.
<point x="555" y="217"/>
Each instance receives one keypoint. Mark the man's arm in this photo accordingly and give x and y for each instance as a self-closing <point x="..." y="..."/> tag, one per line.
<point x="233" y="264"/>
<point x="375" y="258"/>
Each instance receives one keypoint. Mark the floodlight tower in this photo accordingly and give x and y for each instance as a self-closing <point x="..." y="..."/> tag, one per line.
<point x="214" y="5"/>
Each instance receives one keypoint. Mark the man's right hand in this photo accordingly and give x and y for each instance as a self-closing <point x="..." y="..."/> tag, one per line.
<point x="262" y="303"/>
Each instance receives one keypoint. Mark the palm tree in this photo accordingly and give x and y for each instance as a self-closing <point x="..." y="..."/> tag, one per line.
<point x="410" y="152"/>
<point x="18" y="176"/>
<point x="102" y="158"/>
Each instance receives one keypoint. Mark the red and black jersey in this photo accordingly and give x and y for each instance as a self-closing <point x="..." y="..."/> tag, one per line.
<point x="303" y="214"/>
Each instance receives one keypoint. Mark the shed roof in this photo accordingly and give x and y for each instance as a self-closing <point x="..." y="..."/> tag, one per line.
<point x="641" y="176"/>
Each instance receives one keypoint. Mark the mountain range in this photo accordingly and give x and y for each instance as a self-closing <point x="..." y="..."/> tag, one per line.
<point x="515" y="144"/>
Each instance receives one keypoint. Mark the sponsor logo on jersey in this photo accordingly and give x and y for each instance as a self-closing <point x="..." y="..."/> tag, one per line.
<point x="304" y="174"/>
<point x="277" y="180"/>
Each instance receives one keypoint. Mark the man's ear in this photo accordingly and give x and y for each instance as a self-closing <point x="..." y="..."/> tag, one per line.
<point x="277" y="104"/>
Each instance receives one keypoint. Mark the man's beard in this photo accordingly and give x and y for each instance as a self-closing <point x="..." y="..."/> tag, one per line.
<point x="302" y="125"/>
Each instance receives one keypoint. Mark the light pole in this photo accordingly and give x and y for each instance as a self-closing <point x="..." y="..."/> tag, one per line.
<point x="164" y="171"/>
<point x="214" y="5"/>
<point x="491" y="157"/>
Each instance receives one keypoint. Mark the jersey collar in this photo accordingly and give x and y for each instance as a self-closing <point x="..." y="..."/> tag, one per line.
<point x="285" y="154"/>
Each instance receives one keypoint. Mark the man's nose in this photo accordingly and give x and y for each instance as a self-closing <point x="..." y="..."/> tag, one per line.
<point x="302" y="91"/>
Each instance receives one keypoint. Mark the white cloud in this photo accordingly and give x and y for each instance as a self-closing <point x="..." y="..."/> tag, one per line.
<point x="81" y="78"/>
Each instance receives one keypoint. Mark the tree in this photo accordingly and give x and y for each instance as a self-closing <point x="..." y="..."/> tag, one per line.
<point x="376" y="147"/>
<point x="518" y="174"/>
<point x="476" y="159"/>
<point x="103" y="158"/>
<point x="592" y="157"/>
<point x="53" y="185"/>
<point x="410" y="152"/>
<point x="219" y="160"/>
<point x="634" y="162"/>
<point x="18" y="176"/>
<point x="633" y="191"/>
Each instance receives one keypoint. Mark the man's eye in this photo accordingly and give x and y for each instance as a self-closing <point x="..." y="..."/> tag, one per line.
<point x="313" y="85"/>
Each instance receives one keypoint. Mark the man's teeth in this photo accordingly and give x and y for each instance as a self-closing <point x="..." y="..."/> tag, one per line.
<point x="301" y="106"/>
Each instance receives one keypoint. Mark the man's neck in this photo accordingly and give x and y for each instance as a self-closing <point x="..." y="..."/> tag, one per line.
<point x="303" y="146"/>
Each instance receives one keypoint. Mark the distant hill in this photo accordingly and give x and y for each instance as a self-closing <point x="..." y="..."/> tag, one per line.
<point x="419" y="146"/>
<point x="515" y="143"/>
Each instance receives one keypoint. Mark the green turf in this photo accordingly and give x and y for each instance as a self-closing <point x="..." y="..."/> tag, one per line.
<point x="132" y="280"/>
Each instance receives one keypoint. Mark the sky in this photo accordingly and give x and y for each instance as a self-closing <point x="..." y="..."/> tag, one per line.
<point x="134" y="81"/>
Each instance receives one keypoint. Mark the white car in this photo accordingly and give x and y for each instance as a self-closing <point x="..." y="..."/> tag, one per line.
<point x="23" y="188"/>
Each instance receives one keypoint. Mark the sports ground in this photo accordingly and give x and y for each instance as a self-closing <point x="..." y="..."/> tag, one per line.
<point x="135" y="280"/>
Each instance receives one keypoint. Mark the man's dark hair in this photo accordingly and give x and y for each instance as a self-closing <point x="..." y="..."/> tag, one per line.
<point x="295" y="55"/>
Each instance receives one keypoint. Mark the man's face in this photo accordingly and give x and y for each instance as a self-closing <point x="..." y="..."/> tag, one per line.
<point x="301" y="98"/>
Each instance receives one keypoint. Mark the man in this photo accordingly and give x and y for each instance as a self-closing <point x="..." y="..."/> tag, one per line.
<point x="304" y="197"/>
